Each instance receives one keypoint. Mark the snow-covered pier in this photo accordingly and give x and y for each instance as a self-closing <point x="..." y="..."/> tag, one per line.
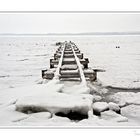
<point x="69" y="64"/>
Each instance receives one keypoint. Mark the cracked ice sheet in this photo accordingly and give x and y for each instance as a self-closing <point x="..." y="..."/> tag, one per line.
<point x="132" y="112"/>
<point x="9" y="96"/>
<point x="55" y="102"/>
<point x="45" y="95"/>
<point x="123" y="98"/>
<point x="11" y="117"/>
<point x="8" y="116"/>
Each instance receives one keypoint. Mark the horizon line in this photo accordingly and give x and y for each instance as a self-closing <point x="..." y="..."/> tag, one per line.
<point x="79" y="33"/>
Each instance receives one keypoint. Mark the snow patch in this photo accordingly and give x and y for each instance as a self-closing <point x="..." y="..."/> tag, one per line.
<point x="8" y="115"/>
<point x="96" y="98"/>
<point x="113" y="116"/>
<point x="123" y="98"/>
<point x="54" y="103"/>
<point x="99" y="107"/>
<point x="114" y="107"/>
<point x="131" y="111"/>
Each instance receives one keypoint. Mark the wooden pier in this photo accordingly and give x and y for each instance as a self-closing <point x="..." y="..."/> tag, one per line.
<point x="69" y="64"/>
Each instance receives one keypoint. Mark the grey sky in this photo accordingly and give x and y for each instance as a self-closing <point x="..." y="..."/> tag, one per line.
<point x="68" y="22"/>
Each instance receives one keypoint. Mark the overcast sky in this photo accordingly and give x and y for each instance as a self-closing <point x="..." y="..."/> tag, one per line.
<point x="68" y="22"/>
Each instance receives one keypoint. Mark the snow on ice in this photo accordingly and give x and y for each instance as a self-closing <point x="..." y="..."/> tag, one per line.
<point x="54" y="102"/>
<point x="22" y="59"/>
<point x="99" y="107"/>
<point x="113" y="116"/>
<point x="126" y="98"/>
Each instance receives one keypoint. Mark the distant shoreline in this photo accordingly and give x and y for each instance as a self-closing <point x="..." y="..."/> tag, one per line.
<point x="73" y="34"/>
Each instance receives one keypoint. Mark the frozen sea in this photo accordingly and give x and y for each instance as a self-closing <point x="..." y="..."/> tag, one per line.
<point x="23" y="57"/>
